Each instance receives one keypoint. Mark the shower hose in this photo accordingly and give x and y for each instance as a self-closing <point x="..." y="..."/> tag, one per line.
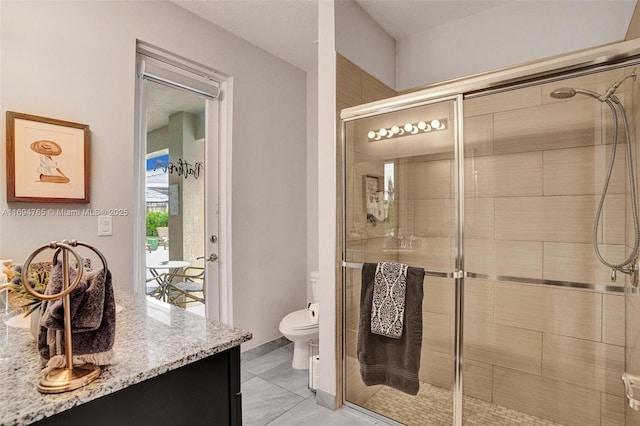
<point x="623" y="266"/>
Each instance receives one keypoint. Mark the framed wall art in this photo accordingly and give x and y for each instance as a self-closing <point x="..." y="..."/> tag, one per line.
<point x="372" y="186"/>
<point x="47" y="160"/>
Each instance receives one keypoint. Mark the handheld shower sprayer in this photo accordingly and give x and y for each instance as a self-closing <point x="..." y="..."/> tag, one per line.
<point x="628" y="266"/>
<point x="570" y="92"/>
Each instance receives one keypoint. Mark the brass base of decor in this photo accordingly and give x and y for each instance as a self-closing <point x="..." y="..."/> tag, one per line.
<point x="61" y="380"/>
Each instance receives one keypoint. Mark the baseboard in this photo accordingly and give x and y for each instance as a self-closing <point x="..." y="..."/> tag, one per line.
<point x="265" y="348"/>
<point x="325" y="399"/>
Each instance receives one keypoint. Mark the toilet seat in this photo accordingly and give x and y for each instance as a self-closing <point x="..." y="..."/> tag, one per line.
<point x="298" y="320"/>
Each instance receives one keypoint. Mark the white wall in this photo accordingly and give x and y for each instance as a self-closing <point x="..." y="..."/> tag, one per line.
<point x="327" y="201"/>
<point x="76" y="61"/>
<point x="512" y="34"/>
<point x="312" y="177"/>
<point x="364" y="42"/>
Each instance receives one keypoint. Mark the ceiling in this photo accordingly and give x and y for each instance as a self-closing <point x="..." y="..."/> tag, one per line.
<point x="289" y="28"/>
<point x="286" y="28"/>
<point x="408" y="17"/>
<point x="163" y="101"/>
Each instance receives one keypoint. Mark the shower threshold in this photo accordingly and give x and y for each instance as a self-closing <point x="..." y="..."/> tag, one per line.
<point x="433" y="407"/>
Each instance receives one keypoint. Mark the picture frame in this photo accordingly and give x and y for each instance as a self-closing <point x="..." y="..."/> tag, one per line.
<point x="372" y="185"/>
<point x="48" y="160"/>
<point x="374" y="204"/>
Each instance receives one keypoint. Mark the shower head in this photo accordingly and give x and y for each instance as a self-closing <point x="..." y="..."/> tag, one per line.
<point x="569" y="92"/>
<point x="563" y="93"/>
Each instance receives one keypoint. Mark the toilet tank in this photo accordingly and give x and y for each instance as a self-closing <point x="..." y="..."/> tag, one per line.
<point x="315" y="282"/>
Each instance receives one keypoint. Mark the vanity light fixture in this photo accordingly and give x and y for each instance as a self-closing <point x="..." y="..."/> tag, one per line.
<point x="407" y="129"/>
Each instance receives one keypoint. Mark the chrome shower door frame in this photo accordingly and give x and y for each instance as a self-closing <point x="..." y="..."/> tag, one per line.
<point x="457" y="274"/>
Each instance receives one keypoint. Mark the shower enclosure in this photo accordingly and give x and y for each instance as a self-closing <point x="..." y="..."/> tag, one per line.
<point x="493" y="187"/>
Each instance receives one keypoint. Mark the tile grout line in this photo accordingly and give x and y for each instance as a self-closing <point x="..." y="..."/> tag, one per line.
<point x="285" y="412"/>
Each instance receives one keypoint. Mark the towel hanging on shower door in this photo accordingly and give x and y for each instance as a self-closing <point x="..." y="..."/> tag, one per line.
<point x="387" y="307"/>
<point x="385" y="361"/>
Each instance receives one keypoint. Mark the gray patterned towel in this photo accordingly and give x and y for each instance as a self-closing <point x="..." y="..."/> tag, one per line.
<point x="387" y="307"/>
<point x="391" y="362"/>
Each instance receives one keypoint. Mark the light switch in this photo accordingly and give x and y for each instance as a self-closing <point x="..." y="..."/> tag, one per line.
<point x="105" y="225"/>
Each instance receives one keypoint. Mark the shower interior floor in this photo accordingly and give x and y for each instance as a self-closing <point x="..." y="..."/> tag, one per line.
<point x="433" y="406"/>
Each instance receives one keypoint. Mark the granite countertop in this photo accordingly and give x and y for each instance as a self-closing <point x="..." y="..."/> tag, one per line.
<point x="151" y="339"/>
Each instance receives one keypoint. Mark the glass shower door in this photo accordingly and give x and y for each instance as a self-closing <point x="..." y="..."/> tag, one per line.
<point x="547" y="332"/>
<point x="544" y="323"/>
<point x="400" y="192"/>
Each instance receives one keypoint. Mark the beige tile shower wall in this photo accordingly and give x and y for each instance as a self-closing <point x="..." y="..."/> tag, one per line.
<point x="427" y="180"/>
<point x="365" y="242"/>
<point x="511" y="175"/>
<point x="567" y="218"/>
<point x="612" y="411"/>
<point x="479" y="218"/>
<point x="478" y="135"/>
<point x="530" y="204"/>
<point x="578" y="262"/>
<point x="563" y="402"/>
<point x="505" y="101"/>
<point x="582" y="171"/>
<point x="434" y="254"/>
<point x="585" y="363"/>
<point x="632" y="301"/>
<point x="632" y="327"/>
<point x="564" y="125"/>
<point x="613" y="319"/>
<point x="503" y="257"/>
<point x="566" y="312"/>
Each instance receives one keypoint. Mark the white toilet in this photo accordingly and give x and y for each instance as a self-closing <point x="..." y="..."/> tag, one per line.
<point x="298" y="327"/>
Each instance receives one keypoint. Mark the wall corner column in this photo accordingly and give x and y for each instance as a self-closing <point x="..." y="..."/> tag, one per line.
<point x="327" y="199"/>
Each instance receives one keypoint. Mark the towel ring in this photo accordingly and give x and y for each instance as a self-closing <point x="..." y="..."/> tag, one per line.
<point x="76" y="243"/>
<point x="65" y="379"/>
<point x="60" y="247"/>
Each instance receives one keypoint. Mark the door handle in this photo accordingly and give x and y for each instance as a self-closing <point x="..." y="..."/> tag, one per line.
<point x="212" y="257"/>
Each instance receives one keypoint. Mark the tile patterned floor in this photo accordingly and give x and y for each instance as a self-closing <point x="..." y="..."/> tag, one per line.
<point x="275" y="394"/>
<point x="433" y="407"/>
